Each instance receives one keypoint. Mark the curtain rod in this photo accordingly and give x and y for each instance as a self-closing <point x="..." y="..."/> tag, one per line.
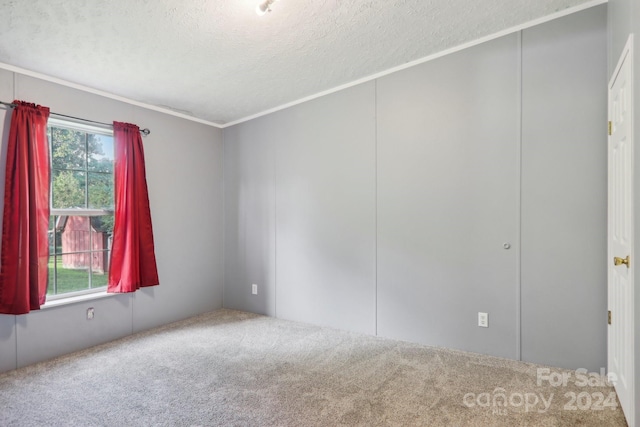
<point x="145" y="131"/>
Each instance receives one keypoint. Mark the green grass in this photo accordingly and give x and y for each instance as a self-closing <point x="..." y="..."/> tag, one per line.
<point x="72" y="280"/>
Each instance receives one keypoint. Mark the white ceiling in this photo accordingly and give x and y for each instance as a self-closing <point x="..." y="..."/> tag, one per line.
<point x="219" y="61"/>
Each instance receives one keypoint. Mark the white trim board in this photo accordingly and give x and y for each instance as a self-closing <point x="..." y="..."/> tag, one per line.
<point x="88" y="89"/>
<point x="437" y="55"/>
<point x="517" y="28"/>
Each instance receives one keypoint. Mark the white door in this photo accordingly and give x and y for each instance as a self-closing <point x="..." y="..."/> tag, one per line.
<point x="620" y="242"/>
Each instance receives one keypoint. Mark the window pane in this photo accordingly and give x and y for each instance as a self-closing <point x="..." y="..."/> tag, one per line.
<point x="69" y="279"/>
<point x="100" y="190"/>
<point x="66" y="279"/>
<point x="102" y="229"/>
<point x="100" y="269"/>
<point x="68" y="189"/>
<point x="51" y="287"/>
<point x="103" y="224"/>
<point x="51" y="232"/>
<point x="68" y="149"/>
<point x="81" y="178"/>
<point x="100" y="153"/>
<point x="75" y="236"/>
<point x="55" y="235"/>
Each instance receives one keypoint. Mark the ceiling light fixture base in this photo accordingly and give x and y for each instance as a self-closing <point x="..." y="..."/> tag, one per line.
<point x="264" y="7"/>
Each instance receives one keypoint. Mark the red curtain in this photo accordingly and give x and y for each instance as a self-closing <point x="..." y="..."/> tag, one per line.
<point x="133" y="260"/>
<point x="25" y="244"/>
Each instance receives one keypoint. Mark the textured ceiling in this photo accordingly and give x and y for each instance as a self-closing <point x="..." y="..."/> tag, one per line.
<point x="218" y="60"/>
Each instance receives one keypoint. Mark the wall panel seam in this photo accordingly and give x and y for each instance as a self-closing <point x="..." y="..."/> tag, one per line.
<point x="375" y="160"/>
<point x="15" y="336"/>
<point x="274" y="151"/>
<point x="224" y="217"/>
<point x="519" y="208"/>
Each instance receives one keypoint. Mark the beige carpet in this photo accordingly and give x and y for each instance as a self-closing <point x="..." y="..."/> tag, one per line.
<point x="229" y="368"/>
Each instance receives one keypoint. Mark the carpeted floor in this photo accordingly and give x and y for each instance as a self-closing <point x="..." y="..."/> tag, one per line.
<point x="229" y="368"/>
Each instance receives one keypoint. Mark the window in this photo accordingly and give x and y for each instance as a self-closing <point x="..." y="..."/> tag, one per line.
<point x="82" y="204"/>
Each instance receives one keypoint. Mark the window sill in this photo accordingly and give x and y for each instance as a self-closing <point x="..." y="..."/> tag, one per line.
<point x="76" y="299"/>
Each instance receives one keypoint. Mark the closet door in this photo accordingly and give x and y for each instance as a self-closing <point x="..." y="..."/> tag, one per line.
<point x="448" y="203"/>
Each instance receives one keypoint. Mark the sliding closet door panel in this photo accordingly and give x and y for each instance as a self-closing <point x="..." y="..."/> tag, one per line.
<point x="447" y="208"/>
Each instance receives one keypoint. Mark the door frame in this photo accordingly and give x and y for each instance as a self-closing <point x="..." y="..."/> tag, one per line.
<point x="626" y="55"/>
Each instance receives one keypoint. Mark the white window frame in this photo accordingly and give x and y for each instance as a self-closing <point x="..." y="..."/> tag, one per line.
<point x="86" y="128"/>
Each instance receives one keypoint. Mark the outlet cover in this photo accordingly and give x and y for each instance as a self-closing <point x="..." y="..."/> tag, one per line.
<point x="483" y="320"/>
<point x="254" y="289"/>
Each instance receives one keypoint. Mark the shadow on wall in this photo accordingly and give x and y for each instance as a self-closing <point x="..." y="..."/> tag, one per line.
<point x="6" y="329"/>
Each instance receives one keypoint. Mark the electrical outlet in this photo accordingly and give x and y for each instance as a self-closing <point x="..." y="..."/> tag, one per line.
<point x="254" y="289"/>
<point x="90" y="313"/>
<point x="483" y="320"/>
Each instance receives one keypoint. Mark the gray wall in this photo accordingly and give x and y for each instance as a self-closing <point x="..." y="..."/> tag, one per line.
<point x="7" y="323"/>
<point x="300" y="200"/>
<point x="184" y="175"/>
<point x="564" y="191"/>
<point x="624" y="19"/>
<point x="448" y="200"/>
<point x="325" y="211"/>
<point x="384" y="208"/>
<point x="250" y="247"/>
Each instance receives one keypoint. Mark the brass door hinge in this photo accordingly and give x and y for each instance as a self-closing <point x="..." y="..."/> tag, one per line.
<point x="609" y="317"/>
<point x="610" y="127"/>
